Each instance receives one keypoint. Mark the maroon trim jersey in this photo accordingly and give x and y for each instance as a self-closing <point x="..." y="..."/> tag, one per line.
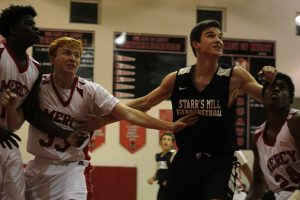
<point x="12" y="76"/>
<point x="214" y="131"/>
<point x="279" y="159"/>
<point x="67" y="108"/>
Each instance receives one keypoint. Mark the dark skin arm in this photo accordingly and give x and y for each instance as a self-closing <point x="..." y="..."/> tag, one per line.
<point x="258" y="185"/>
<point x="37" y="118"/>
<point x="294" y="127"/>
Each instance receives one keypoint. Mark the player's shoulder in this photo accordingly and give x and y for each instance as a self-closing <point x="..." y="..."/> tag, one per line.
<point x="184" y="70"/>
<point x="34" y="62"/>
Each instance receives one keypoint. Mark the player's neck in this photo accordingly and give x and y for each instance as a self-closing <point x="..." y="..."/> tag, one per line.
<point x="62" y="81"/>
<point x="17" y="49"/>
<point x="275" y="119"/>
<point x="206" y="67"/>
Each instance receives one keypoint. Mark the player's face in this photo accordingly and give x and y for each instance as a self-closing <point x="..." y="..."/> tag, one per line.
<point x="66" y="60"/>
<point x="277" y="95"/>
<point x="26" y="31"/>
<point x="166" y="142"/>
<point x="211" y="42"/>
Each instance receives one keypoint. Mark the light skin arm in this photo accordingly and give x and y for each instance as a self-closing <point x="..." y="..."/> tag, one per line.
<point x="243" y="80"/>
<point x="294" y="127"/>
<point x="258" y="185"/>
<point x="123" y="112"/>
<point x="162" y="92"/>
<point x="152" y="178"/>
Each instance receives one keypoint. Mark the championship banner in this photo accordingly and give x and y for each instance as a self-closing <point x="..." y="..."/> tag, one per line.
<point x="132" y="137"/>
<point x="98" y="139"/>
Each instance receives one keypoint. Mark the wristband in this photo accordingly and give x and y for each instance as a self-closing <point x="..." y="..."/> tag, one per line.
<point x="295" y="195"/>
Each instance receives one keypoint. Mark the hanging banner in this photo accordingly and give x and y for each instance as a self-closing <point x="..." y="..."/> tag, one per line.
<point x="132" y="137"/>
<point x="98" y="139"/>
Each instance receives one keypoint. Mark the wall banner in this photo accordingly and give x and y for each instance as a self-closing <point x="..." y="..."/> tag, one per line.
<point x="132" y="137"/>
<point x="98" y="139"/>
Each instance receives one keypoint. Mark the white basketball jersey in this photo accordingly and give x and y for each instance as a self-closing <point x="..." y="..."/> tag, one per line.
<point x="66" y="107"/>
<point x="279" y="160"/>
<point x="18" y="80"/>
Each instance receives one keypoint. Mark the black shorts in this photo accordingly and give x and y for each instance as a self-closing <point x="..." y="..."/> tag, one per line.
<point x="203" y="177"/>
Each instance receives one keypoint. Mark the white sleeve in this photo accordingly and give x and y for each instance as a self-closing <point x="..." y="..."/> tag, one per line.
<point x="241" y="158"/>
<point x="103" y="101"/>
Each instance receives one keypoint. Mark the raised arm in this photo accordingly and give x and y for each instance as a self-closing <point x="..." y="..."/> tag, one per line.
<point x="243" y="80"/>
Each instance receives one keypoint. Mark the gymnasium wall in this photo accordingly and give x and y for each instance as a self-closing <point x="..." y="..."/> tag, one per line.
<point x="255" y="19"/>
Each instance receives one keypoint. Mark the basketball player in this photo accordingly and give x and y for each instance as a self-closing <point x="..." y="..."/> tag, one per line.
<point x="276" y="143"/>
<point x="163" y="163"/>
<point x="60" y="171"/>
<point x="18" y="73"/>
<point x="203" y="164"/>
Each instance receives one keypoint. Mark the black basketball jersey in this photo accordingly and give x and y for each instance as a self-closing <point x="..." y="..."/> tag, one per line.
<point x="214" y="131"/>
<point x="163" y="164"/>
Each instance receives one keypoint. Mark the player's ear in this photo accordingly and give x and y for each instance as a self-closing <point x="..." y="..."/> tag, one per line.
<point x="195" y="43"/>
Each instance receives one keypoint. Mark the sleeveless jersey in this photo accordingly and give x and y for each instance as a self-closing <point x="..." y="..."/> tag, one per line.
<point x="279" y="160"/>
<point x="163" y="164"/>
<point x="66" y="107"/>
<point x="18" y="80"/>
<point x="214" y="131"/>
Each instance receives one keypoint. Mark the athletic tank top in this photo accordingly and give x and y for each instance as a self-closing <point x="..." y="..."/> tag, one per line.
<point x="16" y="78"/>
<point x="66" y="108"/>
<point x="214" y="131"/>
<point x="278" y="159"/>
<point x="163" y="164"/>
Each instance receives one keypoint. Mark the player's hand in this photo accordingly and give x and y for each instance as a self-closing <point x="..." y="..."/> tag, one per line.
<point x="268" y="73"/>
<point x="7" y="138"/>
<point x="150" y="180"/>
<point x="92" y="122"/>
<point x="8" y="98"/>
<point x="78" y="137"/>
<point x="183" y="122"/>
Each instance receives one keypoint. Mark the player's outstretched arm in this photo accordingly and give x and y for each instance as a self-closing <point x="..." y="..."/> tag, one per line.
<point x="137" y="117"/>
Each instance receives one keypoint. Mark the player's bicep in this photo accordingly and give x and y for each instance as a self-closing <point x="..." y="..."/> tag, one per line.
<point x="248" y="83"/>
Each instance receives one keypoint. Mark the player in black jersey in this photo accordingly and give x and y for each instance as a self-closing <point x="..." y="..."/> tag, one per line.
<point x="163" y="163"/>
<point x="203" y="164"/>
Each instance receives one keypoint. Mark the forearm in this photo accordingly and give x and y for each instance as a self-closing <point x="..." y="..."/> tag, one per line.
<point x="15" y="118"/>
<point x="144" y="120"/>
<point x="256" y="191"/>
